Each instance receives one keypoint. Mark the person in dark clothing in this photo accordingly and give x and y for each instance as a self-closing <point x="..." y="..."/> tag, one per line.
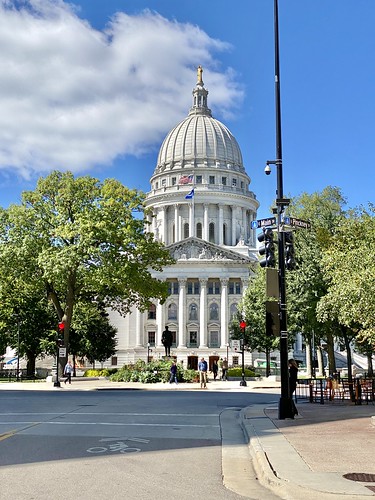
<point x="293" y="376"/>
<point x="166" y="340"/>
<point x="215" y="369"/>
<point x="173" y="371"/>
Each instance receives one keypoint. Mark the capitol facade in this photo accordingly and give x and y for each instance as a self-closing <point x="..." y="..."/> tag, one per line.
<point x="202" y="211"/>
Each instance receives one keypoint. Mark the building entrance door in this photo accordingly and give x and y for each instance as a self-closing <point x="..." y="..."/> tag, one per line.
<point x="192" y="362"/>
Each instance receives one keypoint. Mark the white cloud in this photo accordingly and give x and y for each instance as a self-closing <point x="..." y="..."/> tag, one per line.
<point x="72" y="97"/>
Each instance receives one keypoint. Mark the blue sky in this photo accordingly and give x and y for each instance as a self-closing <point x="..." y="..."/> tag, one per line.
<point x="93" y="86"/>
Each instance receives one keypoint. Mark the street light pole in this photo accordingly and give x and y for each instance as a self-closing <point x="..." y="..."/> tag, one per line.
<point x="18" y="347"/>
<point x="285" y="403"/>
<point x="243" y="326"/>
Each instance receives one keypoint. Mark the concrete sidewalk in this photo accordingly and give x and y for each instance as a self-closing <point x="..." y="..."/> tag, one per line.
<point x="308" y="457"/>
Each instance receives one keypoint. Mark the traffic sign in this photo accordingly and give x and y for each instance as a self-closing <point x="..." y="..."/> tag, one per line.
<point x="62" y="352"/>
<point x="292" y="221"/>
<point x="236" y="344"/>
<point x="257" y="224"/>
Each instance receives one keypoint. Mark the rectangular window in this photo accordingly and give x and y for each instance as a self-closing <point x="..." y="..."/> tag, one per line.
<point x="193" y="339"/>
<point x="114" y="361"/>
<point x="234" y="288"/>
<point x="173" y="287"/>
<point x="164" y="182"/>
<point x="234" y="182"/>
<point x="151" y="338"/>
<point x="242" y="184"/>
<point x="156" y="185"/>
<point x="174" y="181"/>
<point x="224" y="181"/>
<point x="214" y="339"/>
<point x="235" y="360"/>
<point x="198" y="179"/>
<point x="213" y="288"/>
<point x="211" y="179"/>
<point x="193" y="287"/>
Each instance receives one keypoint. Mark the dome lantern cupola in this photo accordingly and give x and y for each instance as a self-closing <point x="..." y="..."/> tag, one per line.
<point x="200" y="97"/>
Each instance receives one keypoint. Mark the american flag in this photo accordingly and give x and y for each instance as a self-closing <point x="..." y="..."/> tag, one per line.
<point x="186" y="179"/>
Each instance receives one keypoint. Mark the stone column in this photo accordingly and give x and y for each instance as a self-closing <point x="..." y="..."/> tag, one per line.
<point x="176" y="223"/>
<point x="139" y="340"/>
<point x="205" y="222"/>
<point x="244" y="224"/>
<point x="203" y="313"/>
<point x="234" y="225"/>
<point x="164" y="226"/>
<point x="191" y="219"/>
<point x="224" y="313"/>
<point x="245" y="284"/>
<point x="221" y="223"/>
<point x="181" y="313"/>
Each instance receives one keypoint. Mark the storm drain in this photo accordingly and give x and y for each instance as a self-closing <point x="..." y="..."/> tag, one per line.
<point x="361" y="477"/>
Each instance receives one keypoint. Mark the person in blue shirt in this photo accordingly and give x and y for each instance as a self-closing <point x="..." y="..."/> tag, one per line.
<point x="173" y="372"/>
<point x="202" y="368"/>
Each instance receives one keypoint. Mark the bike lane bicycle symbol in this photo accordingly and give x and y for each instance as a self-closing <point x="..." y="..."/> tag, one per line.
<point x="118" y="445"/>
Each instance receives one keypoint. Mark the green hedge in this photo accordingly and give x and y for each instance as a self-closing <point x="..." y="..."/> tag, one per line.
<point x="151" y="373"/>
<point x="237" y="372"/>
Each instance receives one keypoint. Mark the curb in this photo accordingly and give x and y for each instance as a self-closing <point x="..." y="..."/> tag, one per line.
<point x="280" y="467"/>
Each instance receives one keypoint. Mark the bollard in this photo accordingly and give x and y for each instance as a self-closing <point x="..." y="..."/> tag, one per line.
<point x="321" y="392"/>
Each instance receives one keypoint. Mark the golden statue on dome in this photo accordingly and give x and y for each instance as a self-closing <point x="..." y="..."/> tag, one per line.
<point x="199" y="74"/>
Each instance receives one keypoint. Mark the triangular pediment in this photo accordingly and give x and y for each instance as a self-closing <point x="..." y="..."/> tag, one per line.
<point x="201" y="250"/>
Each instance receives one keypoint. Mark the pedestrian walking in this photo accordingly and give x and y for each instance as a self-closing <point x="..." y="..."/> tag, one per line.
<point x="224" y="370"/>
<point x="215" y="368"/>
<point x="68" y="370"/>
<point x="220" y="366"/>
<point x="173" y="372"/>
<point x="202" y="368"/>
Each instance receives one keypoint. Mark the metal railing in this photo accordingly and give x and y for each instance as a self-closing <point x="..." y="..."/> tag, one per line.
<point x="321" y="390"/>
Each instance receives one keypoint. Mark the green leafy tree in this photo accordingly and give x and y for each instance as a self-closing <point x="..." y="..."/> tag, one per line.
<point x="349" y="267"/>
<point x="92" y="336"/>
<point x="80" y="237"/>
<point x="307" y="284"/>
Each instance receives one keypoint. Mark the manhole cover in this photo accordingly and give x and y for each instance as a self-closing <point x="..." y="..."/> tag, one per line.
<point x="362" y="477"/>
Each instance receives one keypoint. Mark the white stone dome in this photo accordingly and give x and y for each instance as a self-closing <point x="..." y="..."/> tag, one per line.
<point x="199" y="138"/>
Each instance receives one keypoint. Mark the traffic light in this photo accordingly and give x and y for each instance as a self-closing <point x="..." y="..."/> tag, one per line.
<point x="290" y="262"/>
<point x="268" y="248"/>
<point x="60" y="334"/>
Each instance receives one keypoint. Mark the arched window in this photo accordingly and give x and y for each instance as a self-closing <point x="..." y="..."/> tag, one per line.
<point x="214" y="311"/>
<point x="186" y="230"/>
<point x="233" y="312"/>
<point x="193" y="312"/>
<point x="172" y="311"/>
<point x="152" y="312"/>
<point x="211" y="232"/>
<point x="199" y="230"/>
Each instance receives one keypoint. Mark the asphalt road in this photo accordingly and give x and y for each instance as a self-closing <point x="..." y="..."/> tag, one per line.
<point x="130" y="444"/>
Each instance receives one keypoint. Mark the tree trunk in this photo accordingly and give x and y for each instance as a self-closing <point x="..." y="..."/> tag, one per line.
<point x="30" y="367"/>
<point x="370" y="370"/>
<point x="319" y="354"/>
<point x="349" y="361"/>
<point x="331" y="354"/>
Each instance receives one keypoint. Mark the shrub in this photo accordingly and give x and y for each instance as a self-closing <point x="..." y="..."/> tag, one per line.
<point x="237" y="372"/>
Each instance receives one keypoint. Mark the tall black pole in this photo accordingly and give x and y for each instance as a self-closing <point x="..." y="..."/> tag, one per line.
<point x="285" y="403"/>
